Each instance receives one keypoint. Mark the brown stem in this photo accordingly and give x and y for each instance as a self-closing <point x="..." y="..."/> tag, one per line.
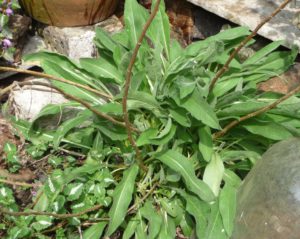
<point x="134" y="206"/>
<point x="39" y="74"/>
<point x="253" y="114"/>
<point x="243" y="43"/>
<point x="38" y="213"/>
<point x="85" y="104"/>
<point x="19" y="183"/>
<point x="127" y="85"/>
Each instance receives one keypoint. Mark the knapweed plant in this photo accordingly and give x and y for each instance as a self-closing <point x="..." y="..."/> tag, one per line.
<point x="189" y="144"/>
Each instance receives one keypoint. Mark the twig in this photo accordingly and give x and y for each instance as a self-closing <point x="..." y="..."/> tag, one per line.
<point x="253" y="114"/>
<point x="134" y="206"/>
<point x="87" y="105"/>
<point x="128" y="82"/>
<point x="55" y="215"/>
<point x="53" y="229"/>
<point x="39" y="74"/>
<point x="243" y="43"/>
<point x="19" y="183"/>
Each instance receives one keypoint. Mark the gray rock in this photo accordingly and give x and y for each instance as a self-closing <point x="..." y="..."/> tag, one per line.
<point x="28" y="101"/>
<point x="74" y="42"/>
<point x="284" y="26"/>
<point x="269" y="198"/>
<point x="77" y="42"/>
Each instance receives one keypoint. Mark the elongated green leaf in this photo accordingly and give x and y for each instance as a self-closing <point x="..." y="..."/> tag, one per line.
<point x="231" y="178"/>
<point x="141" y="100"/>
<point x="159" y="31"/>
<point x="223" y="36"/>
<point x="223" y="87"/>
<point x="165" y="130"/>
<point x="148" y="137"/>
<point x="205" y="143"/>
<point x="200" y="211"/>
<point x="200" y="110"/>
<point x="51" y="109"/>
<point x="154" y="219"/>
<point x="61" y="66"/>
<point x="180" y="116"/>
<point x="168" y="227"/>
<point x="104" y="41"/>
<point x="101" y="68"/>
<point x="134" y="22"/>
<point x="95" y="231"/>
<point x="241" y="108"/>
<point x="70" y="74"/>
<point x="268" y="130"/>
<point x="213" y="173"/>
<point x="67" y="126"/>
<point x="215" y="228"/>
<point x="121" y="199"/>
<point x="227" y="204"/>
<point x="184" y="167"/>
<point x="130" y="228"/>
<point x="262" y="53"/>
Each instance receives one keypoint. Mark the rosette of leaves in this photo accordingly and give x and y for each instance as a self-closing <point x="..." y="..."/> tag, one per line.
<point x="192" y="178"/>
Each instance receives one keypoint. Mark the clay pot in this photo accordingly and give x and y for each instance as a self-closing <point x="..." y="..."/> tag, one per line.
<point x="68" y="13"/>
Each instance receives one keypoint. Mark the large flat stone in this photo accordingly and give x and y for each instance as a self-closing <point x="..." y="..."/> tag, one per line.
<point x="284" y="26"/>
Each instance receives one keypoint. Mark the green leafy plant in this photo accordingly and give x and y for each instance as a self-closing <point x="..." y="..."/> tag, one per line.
<point x="189" y="168"/>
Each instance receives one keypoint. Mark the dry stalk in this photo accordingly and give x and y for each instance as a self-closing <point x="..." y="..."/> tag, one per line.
<point x="55" y="215"/>
<point x="85" y="104"/>
<point x="244" y="42"/>
<point x="256" y="113"/>
<point x="39" y="74"/>
<point x="128" y="82"/>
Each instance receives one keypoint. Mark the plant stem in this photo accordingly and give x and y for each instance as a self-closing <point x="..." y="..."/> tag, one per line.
<point x="85" y="104"/>
<point x="128" y="82"/>
<point x="244" y="42"/>
<point x="19" y="183"/>
<point x="38" y="213"/>
<point x="256" y="113"/>
<point x="39" y="74"/>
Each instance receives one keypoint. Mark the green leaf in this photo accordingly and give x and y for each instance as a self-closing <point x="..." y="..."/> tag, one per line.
<point x="67" y="126"/>
<point x="130" y="228"/>
<point x="121" y="199"/>
<point x="42" y="222"/>
<point x="168" y="227"/>
<point x="222" y="87"/>
<point x="262" y="53"/>
<point x="184" y="167"/>
<point x="159" y="30"/>
<point x="134" y="23"/>
<point x="166" y="130"/>
<point x="199" y="210"/>
<point x="149" y="137"/>
<point x="231" y="178"/>
<point x="213" y="173"/>
<point x="205" y="143"/>
<point x="200" y="110"/>
<point x="268" y="130"/>
<point x="227" y="205"/>
<point x="95" y="231"/>
<point x="104" y="41"/>
<point x="180" y="116"/>
<point x="154" y="219"/>
<point x="215" y="229"/>
<point x="101" y="68"/>
<point x="74" y="190"/>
